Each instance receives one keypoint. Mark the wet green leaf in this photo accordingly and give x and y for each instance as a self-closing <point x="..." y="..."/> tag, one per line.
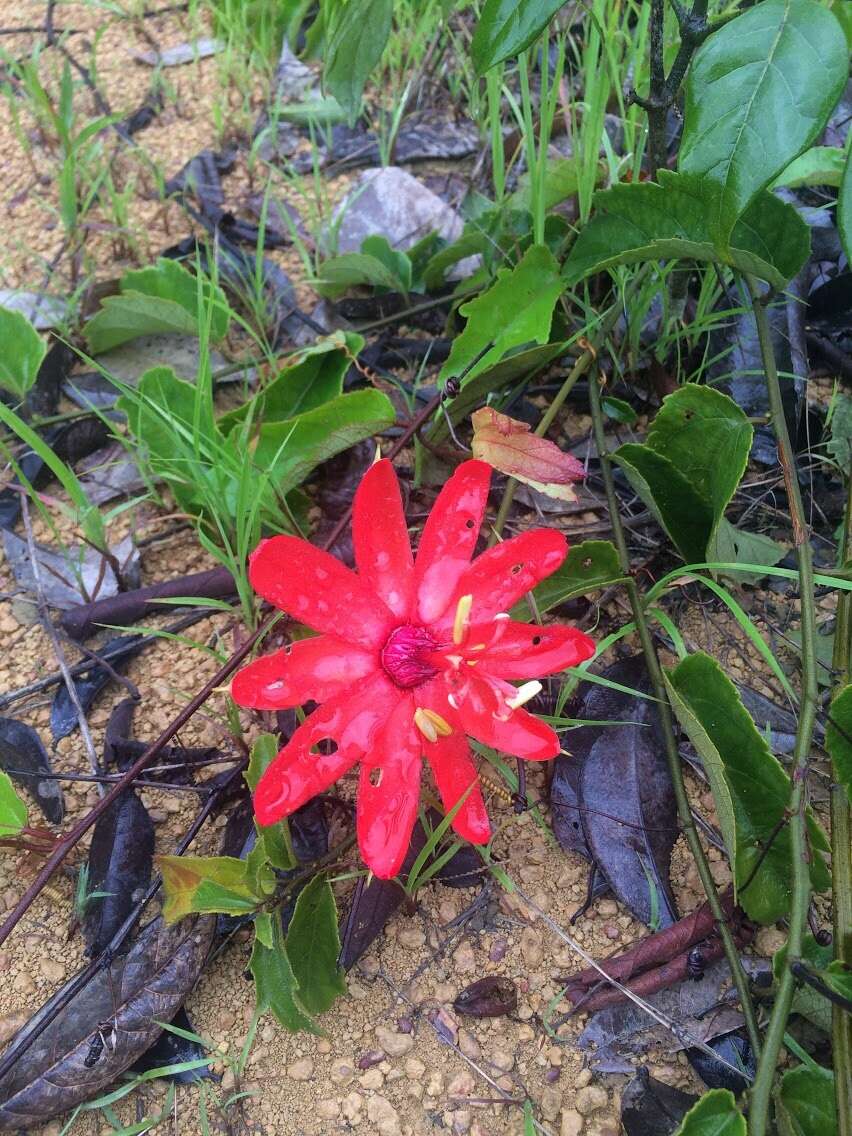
<point x="356" y="39"/>
<point x="805" y="1102"/>
<point x="589" y="566"/>
<point x="276" y="987"/>
<point x="507" y="27"/>
<point x="838" y="737"/>
<point x="750" y="788"/>
<point x="13" y="811"/>
<point x="313" y="946"/>
<point x="22" y="354"/>
<point x="715" y="1114"/>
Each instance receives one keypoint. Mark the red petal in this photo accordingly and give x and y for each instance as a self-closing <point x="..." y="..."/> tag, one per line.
<point x="520" y="735"/>
<point x="389" y="792"/>
<point x="318" y="590"/>
<point x="525" y="650"/>
<point x="453" y="769"/>
<point x="314" y="669"/>
<point x="301" y="770"/>
<point x="382" y="548"/>
<point x="501" y="576"/>
<point x="449" y="537"/>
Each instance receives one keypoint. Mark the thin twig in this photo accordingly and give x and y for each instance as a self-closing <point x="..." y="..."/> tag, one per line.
<point x="799" y="848"/>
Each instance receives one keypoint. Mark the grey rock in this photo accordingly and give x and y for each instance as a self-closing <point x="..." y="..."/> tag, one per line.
<point x="43" y="311"/>
<point x="181" y="53"/>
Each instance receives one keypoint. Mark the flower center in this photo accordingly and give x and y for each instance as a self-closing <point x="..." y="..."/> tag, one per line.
<point x="406" y="656"/>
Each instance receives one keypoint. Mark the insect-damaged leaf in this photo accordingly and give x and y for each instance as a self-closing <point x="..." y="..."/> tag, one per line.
<point x="25" y="759"/>
<point x="105" y="1027"/>
<point x="511" y="447"/>
<point x="212" y="884"/>
<point x="587" y="567"/>
<point x="120" y="860"/>
<point x="750" y="788"/>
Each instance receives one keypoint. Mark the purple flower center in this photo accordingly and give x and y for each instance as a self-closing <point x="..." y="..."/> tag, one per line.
<point x="405" y="656"/>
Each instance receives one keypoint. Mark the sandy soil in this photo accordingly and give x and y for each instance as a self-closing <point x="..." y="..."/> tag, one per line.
<point x="380" y="1068"/>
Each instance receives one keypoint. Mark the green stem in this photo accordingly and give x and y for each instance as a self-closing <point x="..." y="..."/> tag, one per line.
<point x="841" y="858"/>
<point x="655" y="672"/>
<point x="801" y="885"/>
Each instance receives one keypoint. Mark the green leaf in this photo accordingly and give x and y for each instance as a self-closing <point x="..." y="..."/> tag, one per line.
<point x="354" y="45"/>
<point x="22" y="354"/>
<point x="690" y="465"/>
<point x="273" y="838"/>
<point x="507" y="27"/>
<point x="715" y="1114"/>
<point x="807" y="1001"/>
<point x="276" y="988"/>
<point x="668" y="220"/>
<point x="293" y="448"/>
<point x="13" y="811"/>
<point x="844" y="206"/>
<point x="587" y="567"/>
<point x="806" y="1102"/>
<point x="618" y="410"/>
<point x="750" y="788"/>
<point x="263" y="929"/>
<point x="209" y="884"/>
<point x="516" y="310"/>
<point x="313" y="945"/>
<point x="838" y="738"/>
<point x="821" y="165"/>
<point x="157" y="300"/>
<point x="759" y="92"/>
<point x="732" y="545"/>
<point x="356" y="269"/>
<point x="312" y="379"/>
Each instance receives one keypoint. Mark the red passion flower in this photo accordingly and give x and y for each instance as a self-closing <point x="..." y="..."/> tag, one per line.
<point x="413" y="654"/>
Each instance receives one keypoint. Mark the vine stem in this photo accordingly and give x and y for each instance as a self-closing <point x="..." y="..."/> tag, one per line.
<point x="761" y="1092"/>
<point x="841" y="858"/>
<point x="655" y="673"/>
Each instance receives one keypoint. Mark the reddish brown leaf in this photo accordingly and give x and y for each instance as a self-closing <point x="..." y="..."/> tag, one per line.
<point x="511" y="447"/>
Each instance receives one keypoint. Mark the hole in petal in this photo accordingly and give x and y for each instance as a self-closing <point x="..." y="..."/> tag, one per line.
<point x="375" y="777"/>
<point x="469" y="523"/>
<point x="325" y="747"/>
<point x="536" y="639"/>
<point x="516" y="568"/>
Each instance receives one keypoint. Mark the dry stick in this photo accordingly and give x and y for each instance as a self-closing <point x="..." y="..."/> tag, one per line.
<point x="841" y="857"/>
<point x="62" y="662"/>
<point x="664" y="708"/>
<point x="68" y="842"/>
<point x="799" y="848"/>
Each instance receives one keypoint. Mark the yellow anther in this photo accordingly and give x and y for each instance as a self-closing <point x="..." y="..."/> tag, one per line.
<point x="462" y="620"/>
<point x="425" y="725"/>
<point x="477" y="647"/>
<point x="441" y="724"/>
<point x="526" y="692"/>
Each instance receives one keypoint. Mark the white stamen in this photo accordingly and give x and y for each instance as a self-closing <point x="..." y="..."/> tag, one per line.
<point x="525" y="693"/>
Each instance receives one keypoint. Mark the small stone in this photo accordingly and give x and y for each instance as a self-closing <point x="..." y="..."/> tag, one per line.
<point x="469" y="1046"/>
<point x="446" y="1025"/>
<point x="23" y="983"/>
<point x="571" y="1122"/>
<point x="301" y="1070"/>
<point x="229" y="1081"/>
<point x="351" y="1107"/>
<point x="371" y="1058"/>
<point x="414" y="1068"/>
<point x="768" y="940"/>
<point x="444" y="992"/>
<point x="607" y="907"/>
<point x="464" y="959"/>
<point x="342" y="1070"/>
<point x="502" y="1060"/>
<point x="10" y="1025"/>
<point x="462" y="1085"/>
<point x="611" y="931"/>
<point x="328" y="1109"/>
<point x="551" y="1103"/>
<point x="551" y="1077"/>
<point x="498" y="949"/>
<point x="461" y="1119"/>
<point x="323" y="1045"/>
<point x="373" y="1079"/>
<point x="226" y="1019"/>
<point x="382" y="1114"/>
<point x="591" y="1099"/>
<point x="435" y="1085"/>
<point x="52" y="970"/>
<point x="531" y="947"/>
<point x="394" y="1044"/>
<point x="583" y="1078"/>
<point x="412" y="938"/>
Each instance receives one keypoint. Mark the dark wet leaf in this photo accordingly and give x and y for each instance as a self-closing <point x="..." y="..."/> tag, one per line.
<point x="172" y="1049"/>
<point x="489" y="997"/>
<point x="428" y="137"/>
<point x="10" y="499"/>
<point x="43" y="396"/>
<point x="120" y="861"/>
<point x="596" y="703"/>
<point x="25" y="759"/>
<point x="464" y="868"/>
<point x="144" y="114"/>
<point x="105" y="1027"/>
<point x="652" y="1108"/>
<point x="200" y="177"/>
<point x="733" y="1048"/>
<point x="63" y="713"/>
